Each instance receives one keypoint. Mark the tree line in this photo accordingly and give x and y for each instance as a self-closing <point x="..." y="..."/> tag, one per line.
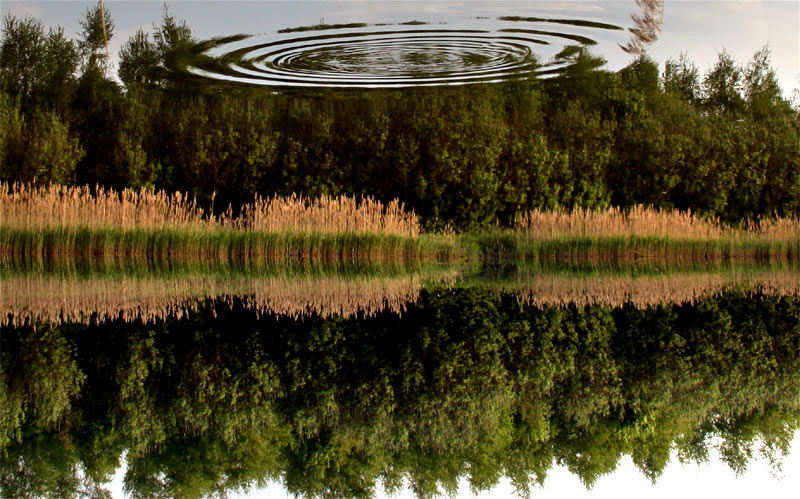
<point x="464" y="383"/>
<point x="723" y="144"/>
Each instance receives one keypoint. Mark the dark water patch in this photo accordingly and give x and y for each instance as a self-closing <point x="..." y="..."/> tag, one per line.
<point x="323" y="27"/>
<point x="572" y="22"/>
<point x="361" y="55"/>
<point x="575" y="38"/>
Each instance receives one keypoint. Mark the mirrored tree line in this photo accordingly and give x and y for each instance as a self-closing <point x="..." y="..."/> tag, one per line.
<point x="464" y="383"/>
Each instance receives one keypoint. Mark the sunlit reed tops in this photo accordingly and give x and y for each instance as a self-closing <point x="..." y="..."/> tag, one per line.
<point x="42" y="207"/>
<point x="640" y="221"/>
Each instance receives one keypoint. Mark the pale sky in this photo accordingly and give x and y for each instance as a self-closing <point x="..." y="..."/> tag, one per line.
<point x="699" y="28"/>
<point x="710" y="480"/>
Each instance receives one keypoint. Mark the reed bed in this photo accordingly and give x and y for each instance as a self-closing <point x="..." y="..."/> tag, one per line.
<point x="640" y="221"/>
<point x="96" y="299"/>
<point x="42" y="207"/>
<point x="52" y="221"/>
<point x="657" y="233"/>
<point x="54" y="206"/>
<point x="328" y="215"/>
<point x="49" y="219"/>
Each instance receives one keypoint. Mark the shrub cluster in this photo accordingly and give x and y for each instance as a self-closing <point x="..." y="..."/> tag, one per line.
<point x="723" y="144"/>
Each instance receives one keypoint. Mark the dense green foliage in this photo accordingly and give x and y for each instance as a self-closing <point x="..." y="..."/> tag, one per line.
<point x="464" y="383"/>
<point x="724" y="144"/>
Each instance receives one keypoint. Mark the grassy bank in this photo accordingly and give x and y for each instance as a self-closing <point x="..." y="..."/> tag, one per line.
<point x="215" y="245"/>
<point x="636" y="234"/>
<point x="53" y="222"/>
<point x="50" y="222"/>
<point x="504" y="246"/>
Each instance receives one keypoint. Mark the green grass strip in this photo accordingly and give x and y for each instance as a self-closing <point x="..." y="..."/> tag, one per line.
<point x="351" y="248"/>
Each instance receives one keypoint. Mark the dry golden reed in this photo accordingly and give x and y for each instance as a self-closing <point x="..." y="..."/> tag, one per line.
<point x="641" y="221"/>
<point x="648" y="26"/>
<point x="327" y="214"/>
<point x="58" y="299"/>
<point x="51" y="206"/>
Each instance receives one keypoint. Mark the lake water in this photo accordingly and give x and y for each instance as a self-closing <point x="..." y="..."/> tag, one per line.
<point x="183" y="379"/>
<point x="193" y="379"/>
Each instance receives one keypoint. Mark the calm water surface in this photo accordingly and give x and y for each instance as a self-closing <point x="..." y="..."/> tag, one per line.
<point x="196" y="380"/>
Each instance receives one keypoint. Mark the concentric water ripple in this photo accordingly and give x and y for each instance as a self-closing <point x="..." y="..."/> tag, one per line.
<point x="392" y="56"/>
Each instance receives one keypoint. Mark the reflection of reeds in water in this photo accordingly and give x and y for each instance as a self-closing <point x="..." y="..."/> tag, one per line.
<point x="98" y="299"/>
<point x="645" y="291"/>
<point x="51" y="206"/>
<point x="648" y="26"/>
<point x="640" y="221"/>
<point x="58" y="299"/>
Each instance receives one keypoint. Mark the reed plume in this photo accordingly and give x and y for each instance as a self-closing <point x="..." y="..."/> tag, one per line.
<point x="644" y="222"/>
<point x="647" y="26"/>
<point x="31" y="207"/>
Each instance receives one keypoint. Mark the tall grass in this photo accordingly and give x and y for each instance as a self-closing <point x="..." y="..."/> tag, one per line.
<point x="645" y="222"/>
<point x="50" y="220"/>
<point x="648" y="26"/>
<point x="643" y="232"/>
<point x="52" y="206"/>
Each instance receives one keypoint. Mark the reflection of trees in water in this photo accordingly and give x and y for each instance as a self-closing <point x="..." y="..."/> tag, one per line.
<point x="464" y="383"/>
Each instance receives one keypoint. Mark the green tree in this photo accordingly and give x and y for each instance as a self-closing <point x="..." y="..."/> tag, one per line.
<point x="97" y="31"/>
<point x="722" y="87"/>
<point x="12" y="137"/>
<point x="145" y="59"/>
<point x="682" y="78"/>
<point x="138" y="60"/>
<point x="587" y="141"/>
<point x="41" y="149"/>
<point x="38" y="68"/>
<point x="761" y="88"/>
